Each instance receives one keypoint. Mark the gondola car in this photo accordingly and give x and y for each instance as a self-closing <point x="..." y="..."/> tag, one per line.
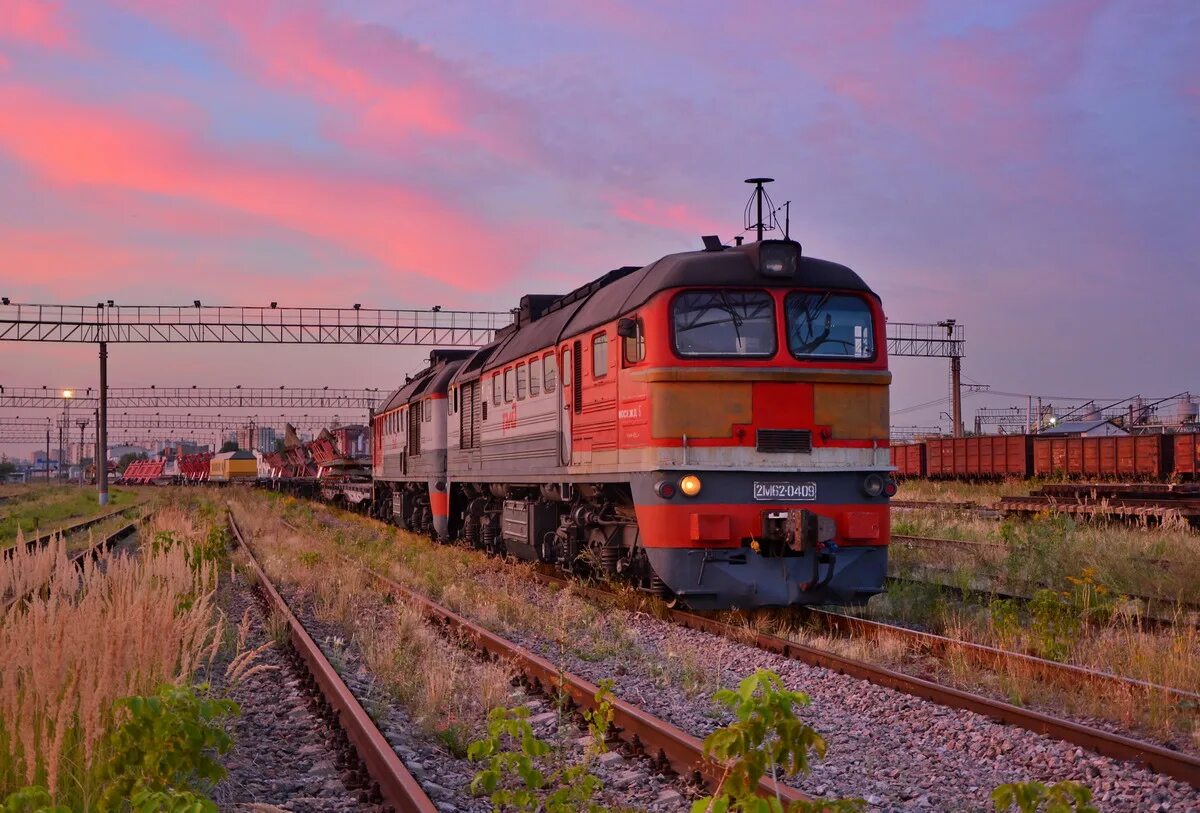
<point x="712" y="427"/>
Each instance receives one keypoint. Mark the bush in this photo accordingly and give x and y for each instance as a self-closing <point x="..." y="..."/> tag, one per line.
<point x="1034" y="797"/>
<point x="766" y="736"/>
<point x="165" y="751"/>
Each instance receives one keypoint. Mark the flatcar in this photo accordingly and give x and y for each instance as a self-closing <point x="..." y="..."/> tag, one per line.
<point x="711" y="427"/>
<point x="232" y="467"/>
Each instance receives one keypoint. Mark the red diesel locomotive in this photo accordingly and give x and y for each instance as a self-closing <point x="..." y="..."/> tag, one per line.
<point x="712" y="427"/>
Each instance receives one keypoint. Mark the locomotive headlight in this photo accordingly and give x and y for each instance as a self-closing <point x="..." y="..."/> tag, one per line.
<point x="873" y="485"/>
<point x="690" y="485"/>
<point x="778" y="258"/>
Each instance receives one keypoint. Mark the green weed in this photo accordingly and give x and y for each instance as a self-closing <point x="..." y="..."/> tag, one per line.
<point x="766" y="737"/>
<point x="1034" y="797"/>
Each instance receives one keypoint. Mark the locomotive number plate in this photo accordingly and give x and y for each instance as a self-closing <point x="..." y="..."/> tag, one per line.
<point x="792" y="492"/>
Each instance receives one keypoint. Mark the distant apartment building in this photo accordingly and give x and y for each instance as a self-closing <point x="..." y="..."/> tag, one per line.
<point x="253" y="437"/>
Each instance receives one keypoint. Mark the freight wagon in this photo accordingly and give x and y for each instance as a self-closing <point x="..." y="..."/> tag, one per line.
<point x="1138" y="457"/>
<point x="980" y="457"/>
<point x="1187" y="456"/>
<point x="1144" y="457"/>
<point x="909" y="459"/>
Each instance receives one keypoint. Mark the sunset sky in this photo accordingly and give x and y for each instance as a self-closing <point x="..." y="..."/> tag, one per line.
<point x="1031" y="169"/>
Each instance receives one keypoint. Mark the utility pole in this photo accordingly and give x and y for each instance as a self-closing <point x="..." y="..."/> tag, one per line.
<point x="955" y="381"/>
<point x="102" y="428"/>
<point x="47" y="451"/>
<point x="82" y="424"/>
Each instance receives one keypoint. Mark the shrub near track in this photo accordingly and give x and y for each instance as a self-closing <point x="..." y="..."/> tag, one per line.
<point x="93" y="638"/>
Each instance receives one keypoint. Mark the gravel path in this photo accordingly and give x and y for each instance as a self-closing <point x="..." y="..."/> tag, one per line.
<point x="286" y="752"/>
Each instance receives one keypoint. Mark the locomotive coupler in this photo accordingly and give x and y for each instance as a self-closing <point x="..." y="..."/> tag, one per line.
<point x="808" y="532"/>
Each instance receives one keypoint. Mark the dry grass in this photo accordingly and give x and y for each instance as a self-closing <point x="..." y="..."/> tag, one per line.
<point x="443" y="686"/>
<point x="26" y="570"/>
<point x="106" y="633"/>
<point x="955" y="491"/>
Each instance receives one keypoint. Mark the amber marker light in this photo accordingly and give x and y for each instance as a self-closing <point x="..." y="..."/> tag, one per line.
<point x="690" y="485"/>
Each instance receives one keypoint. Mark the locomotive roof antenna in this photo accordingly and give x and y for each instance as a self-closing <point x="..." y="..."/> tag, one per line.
<point x="755" y="206"/>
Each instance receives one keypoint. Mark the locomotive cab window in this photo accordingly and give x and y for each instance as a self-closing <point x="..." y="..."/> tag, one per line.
<point x="826" y="325"/>
<point x="635" y="345"/>
<point x="535" y="376"/>
<point x="521" y="382"/>
<point x="724" y="323"/>
<point x="566" y="366"/>
<point x="496" y="389"/>
<point x="600" y="355"/>
<point x="551" y="372"/>
<point x="510" y="385"/>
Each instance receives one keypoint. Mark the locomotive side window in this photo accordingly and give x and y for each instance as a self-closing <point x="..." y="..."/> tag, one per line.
<point x="825" y="325"/>
<point x="724" y="323"/>
<point x="510" y="385"/>
<point x="495" y="389"/>
<point x="600" y="355"/>
<point x="635" y="346"/>
<point x="521" y="382"/>
<point x="535" y="376"/>
<point x="566" y="367"/>
<point x="551" y="372"/>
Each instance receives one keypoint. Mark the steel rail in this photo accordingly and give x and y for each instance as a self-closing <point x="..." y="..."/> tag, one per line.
<point x="1064" y="674"/>
<point x="396" y="784"/>
<point x="42" y="539"/>
<point x="666" y="743"/>
<point x="1161" y="760"/>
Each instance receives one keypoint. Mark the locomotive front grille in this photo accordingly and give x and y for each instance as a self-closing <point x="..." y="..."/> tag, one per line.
<point x="784" y="440"/>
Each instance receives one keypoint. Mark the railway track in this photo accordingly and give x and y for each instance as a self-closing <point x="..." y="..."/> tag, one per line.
<point x="666" y="745"/>
<point x="395" y="785"/>
<point x="1154" y="757"/>
<point x="1163" y="760"/>
<point x="66" y="530"/>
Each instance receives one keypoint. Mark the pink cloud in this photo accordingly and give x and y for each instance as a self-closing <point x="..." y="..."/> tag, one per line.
<point x="71" y="145"/>
<point x="36" y="22"/>
<point x="665" y="214"/>
<point x="384" y="90"/>
<point x="56" y="262"/>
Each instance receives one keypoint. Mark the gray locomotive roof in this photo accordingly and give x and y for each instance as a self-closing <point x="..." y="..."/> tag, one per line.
<point x="732" y="267"/>
<point x="430" y="380"/>
<point x="434" y="378"/>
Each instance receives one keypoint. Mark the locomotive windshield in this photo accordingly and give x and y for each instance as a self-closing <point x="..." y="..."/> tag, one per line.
<point x="724" y="323"/>
<point x="825" y="325"/>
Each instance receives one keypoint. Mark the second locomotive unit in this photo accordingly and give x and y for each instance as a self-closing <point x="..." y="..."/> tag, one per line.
<point x="712" y="427"/>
